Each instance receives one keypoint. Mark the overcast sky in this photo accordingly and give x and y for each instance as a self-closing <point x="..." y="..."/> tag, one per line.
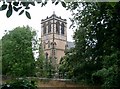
<point x="37" y="13"/>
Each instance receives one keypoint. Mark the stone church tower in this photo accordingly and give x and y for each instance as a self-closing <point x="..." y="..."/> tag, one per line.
<point x="54" y="37"/>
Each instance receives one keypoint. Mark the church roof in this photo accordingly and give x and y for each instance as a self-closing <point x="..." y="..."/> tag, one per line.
<point x="70" y="45"/>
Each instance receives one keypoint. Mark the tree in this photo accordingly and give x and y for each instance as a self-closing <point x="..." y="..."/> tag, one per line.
<point x="44" y="67"/>
<point x="49" y="68"/>
<point x="66" y="65"/>
<point x="17" y="56"/>
<point x="96" y="42"/>
<point x="40" y="71"/>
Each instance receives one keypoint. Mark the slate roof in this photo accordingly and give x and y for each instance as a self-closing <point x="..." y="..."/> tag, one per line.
<point x="70" y="45"/>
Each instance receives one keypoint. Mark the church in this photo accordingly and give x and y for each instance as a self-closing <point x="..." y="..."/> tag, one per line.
<point x="54" y="37"/>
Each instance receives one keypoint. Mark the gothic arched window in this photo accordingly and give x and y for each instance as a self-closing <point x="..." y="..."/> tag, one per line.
<point x="62" y="28"/>
<point x="57" y="27"/>
<point x="49" y="27"/>
<point x="44" y="28"/>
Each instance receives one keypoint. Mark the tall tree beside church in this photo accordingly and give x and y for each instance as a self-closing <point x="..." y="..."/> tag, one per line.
<point x="44" y="66"/>
<point x="40" y="63"/>
<point x="17" y="55"/>
<point x="97" y="42"/>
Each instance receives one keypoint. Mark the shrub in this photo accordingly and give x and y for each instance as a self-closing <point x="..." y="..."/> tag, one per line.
<point x="20" y="84"/>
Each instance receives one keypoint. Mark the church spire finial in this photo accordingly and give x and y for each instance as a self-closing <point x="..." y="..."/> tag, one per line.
<point x="54" y="12"/>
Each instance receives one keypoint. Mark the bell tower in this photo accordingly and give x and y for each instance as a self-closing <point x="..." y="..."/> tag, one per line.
<point x="54" y="37"/>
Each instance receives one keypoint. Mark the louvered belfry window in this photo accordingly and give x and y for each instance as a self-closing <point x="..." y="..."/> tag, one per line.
<point x="49" y="27"/>
<point x="57" y="27"/>
<point x="44" y="28"/>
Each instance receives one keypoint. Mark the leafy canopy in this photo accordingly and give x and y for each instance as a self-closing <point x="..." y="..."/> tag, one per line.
<point x="17" y="55"/>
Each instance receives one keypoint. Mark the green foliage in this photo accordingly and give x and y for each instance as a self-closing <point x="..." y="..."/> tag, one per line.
<point x="21" y="12"/>
<point x="17" y="55"/>
<point x="20" y="84"/>
<point x="66" y="65"/>
<point x="96" y="55"/>
<point x="25" y="5"/>
<point x="17" y="6"/>
<point x="9" y="11"/>
<point x="49" y="68"/>
<point x="28" y="14"/>
<point x="40" y="72"/>
<point x="3" y="7"/>
<point x="63" y="4"/>
<point x="44" y="67"/>
<point x="109" y="73"/>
